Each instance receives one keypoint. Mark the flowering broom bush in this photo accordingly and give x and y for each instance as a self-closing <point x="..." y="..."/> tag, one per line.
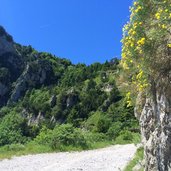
<point x="146" y="51"/>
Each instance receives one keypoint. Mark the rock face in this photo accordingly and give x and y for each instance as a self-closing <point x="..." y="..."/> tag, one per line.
<point x="11" y="65"/>
<point x="17" y="72"/>
<point x="155" y="122"/>
<point x="30" y="78"/>
<point x="6" y="42"/>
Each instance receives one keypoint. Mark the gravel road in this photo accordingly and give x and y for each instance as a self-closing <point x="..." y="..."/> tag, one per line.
<point x="112" y="158"/>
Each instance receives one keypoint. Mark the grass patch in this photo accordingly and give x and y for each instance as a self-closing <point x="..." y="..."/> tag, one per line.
<point x="93" y="141"/>
<point x="128" y="137"/>
<point x="9" y="151"/>
<point x="137" y="158"/>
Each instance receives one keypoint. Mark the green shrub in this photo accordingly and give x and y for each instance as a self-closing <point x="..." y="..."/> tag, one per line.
<point x="12" y="129"/>
<point x="61" y="135"/>
<point x="98" y="122"/>
<point x="67" y="135"/>
<point x="44" y="137"/>
<point x="95" y="137"/>
<point x="103" y="124"/>
<point x="126" y="137"/>
<point x="114" y="130"/>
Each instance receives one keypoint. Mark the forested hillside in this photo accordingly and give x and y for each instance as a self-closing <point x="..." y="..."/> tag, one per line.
<point x="50" y="101"/>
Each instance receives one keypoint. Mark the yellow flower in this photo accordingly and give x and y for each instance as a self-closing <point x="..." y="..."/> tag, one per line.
<point x="128" y="98"/>
<point x="164" y="26"/>
<point x="157" y="16"/>
<point x="132" y="44"/>
<point x="138" y="9"/>
<point x="135" y="3"/>
<point x="141" y="41"/>
<point x="125" y="66"/>
<point x="139" y="76"/>
<point x="170" y="15"/>
<point x="169" y="45"/>
<point x="134" y="32"/>
<point x="140" y="51"/>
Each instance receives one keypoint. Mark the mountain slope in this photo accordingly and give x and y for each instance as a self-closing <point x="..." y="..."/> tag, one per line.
<point x="39" y="92"/>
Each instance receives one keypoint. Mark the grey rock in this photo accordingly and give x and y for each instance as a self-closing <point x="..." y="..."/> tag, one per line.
<point x="35" y="120"/>
<point x="53" y="101"/>
<point x="155" y="122"/>
<point x="6" y="45"/>
<point x="29" y="79"/>
<point x="71" y="100"/>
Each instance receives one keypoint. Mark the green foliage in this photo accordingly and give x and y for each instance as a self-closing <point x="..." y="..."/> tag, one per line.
<point x="136" y="160"/>
<point x="103" y="124"/>
<point x="37" y="100"/>
<point x="67" y="135"/>
<point x="145" y="42"/>
<point x="128" y="137"/>
<point x="61" y="136"/>
<point x="13" y="147"/>
<point x="12" y="129"/>
<point x="4" y="111"/>
<point x="61" y="106"/>
<point x="11" y="150"/>
<point x="115" y="130"/>
<point x="95" y="137"/>
<point x="44" y="137"/>
<point x="98" y="122"/>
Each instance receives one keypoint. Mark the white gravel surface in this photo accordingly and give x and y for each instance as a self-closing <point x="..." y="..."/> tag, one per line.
<point x="112" y="158"/>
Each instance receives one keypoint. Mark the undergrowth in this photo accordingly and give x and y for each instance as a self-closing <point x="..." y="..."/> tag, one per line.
<point x="137" y="159"/>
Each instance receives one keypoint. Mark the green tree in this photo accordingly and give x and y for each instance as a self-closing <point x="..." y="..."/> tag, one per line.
<point x="12" y="129"/>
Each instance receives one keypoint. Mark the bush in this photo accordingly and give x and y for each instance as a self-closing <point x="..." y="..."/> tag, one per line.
<point x="114" y="130"/>
<point x="61" y="135"/>
<point x="126" y="137"/>
<point x="12" y="129"/>
<point x="95" y="137"/>
<point x="67" y="135"/>
<point x="44" y="137"/>
<point x="98" y="122"/>
<point x="103" y="124"/>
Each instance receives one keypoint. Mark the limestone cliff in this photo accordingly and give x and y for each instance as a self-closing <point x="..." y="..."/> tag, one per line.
<point x="155" y="122"/>
<point x="19" y="71"/>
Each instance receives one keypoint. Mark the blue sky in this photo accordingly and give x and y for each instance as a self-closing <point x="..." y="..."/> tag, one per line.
<point x="83" y="31"/>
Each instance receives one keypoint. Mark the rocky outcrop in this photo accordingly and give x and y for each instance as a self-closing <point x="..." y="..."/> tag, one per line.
<point x="53" y="101"/>
<point x="35" y="74"/>
<point x="71" y="98"/>
<point x="11" y="65"/>
<point x="155" y="122"/>
<point x="6" y="42"/>
<point x="20" y="71"/>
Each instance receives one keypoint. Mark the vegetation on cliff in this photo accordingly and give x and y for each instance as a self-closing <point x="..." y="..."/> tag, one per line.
<point x="146" y="60"/>
<point x="146" y="44"/>
<point x="51" y="102"/>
